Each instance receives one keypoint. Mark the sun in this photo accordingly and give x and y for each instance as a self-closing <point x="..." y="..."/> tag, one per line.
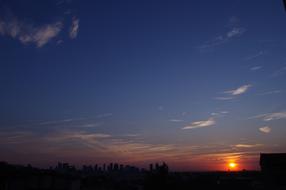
<point x="232" y="165"/>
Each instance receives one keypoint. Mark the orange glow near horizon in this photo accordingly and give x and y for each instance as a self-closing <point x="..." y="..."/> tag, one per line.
<point x="232" y="166"/>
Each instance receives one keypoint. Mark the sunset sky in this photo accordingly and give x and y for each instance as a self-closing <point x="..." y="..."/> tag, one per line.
<point x="194" y="83"/>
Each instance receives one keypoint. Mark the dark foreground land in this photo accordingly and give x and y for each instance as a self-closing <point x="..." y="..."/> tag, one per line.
<point x="119" y="177"/>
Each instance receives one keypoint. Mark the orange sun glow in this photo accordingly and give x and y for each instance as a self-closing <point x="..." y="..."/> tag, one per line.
<point x="232" y="165"/>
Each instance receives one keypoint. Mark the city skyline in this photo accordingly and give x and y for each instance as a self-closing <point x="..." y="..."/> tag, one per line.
<point x="196" y="84"/>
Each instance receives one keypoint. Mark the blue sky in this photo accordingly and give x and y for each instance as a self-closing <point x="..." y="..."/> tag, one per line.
<point x="194" y="83"/>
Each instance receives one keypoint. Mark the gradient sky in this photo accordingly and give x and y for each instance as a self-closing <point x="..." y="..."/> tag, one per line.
<point x="195" y="83"/>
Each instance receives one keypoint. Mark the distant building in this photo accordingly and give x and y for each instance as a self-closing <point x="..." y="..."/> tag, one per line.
<point x="116" y="167"/>
<point x="273" y="168"/>
<point x="151" y="167"/>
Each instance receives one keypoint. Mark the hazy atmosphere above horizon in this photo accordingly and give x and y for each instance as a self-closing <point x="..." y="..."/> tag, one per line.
<point x="194" y="83"/>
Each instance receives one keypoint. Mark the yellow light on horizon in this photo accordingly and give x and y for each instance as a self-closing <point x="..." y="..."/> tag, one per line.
<point x="232" y="165"/>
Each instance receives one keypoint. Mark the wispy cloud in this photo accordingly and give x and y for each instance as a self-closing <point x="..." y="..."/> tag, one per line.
<point x="254" y="56"/>
<point x="81" y="138"/>
<point x="81" y="135"/>
<point x="272" y="116"/>
<point x="108" y="145"/>
<point x="199" y="124"/>
<point x="248" y="145"/>
<point x="28" y="33"/>
<point x="265" y="129"/>
<point x="235" y="32"/>
<point x="219" y="114"/>
<point x="270" y="92"/>
<point x="16" y="137"/>
<point x="58" y="121"/>
<point x="74" y="28"/>
<point x="232" y="94"/>
<point x="176" y="120"/>
<point x="238" y="91"/>
<point x="91" y="125"/>
<point x="80" y="145"/>
<point x="279" y="72"/>
<point x="255" y="68"/>
<point x="224" y="98"/>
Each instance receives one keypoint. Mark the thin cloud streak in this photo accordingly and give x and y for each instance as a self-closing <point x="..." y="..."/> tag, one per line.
<point x="270" y="92"/>
<point x="271" y="116"/>
<point x="176" y="120"/>
<point x="235" y="32"/>
<point x="248" y="145"/>
<point x="254" y="56"/>
<point x="222" y="39"/>
<point x="200" y="124"/>
<point x="220" y="114"/>
<point x="224" y="98"/>
<point x="232" y="94"/>
<point x="256" y="68"/>
<point x="240" y="90"/>
<point x="58" y="121"/>
<point x="280" y="72"/>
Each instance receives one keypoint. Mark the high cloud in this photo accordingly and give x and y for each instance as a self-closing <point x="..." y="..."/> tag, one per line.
<point x="85" y="137"/>
<point x="235" y="32"/>
<point x="270" y="92"/>
<point x="265" y="129"/>
<point x="255" y="68"/>
<point x="235" y="92"/>
<point x="176" y="120"/>
<point x="199" y="124"/>
<point x="247" y="145"/>
<point x="254" y="56"/>
<point x="222" y="39"/>
<point x="224" y="98"/>
<point x="219" y="114"/>
<point x="279" y="72"/>
<point x="240" y="90"/>
<point x="272" y="116"/>
<point x="28" y="33"/>
<point x="74" y="28"/>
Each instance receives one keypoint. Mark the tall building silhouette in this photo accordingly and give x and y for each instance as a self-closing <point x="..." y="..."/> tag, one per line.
<point x="273" y="168"/>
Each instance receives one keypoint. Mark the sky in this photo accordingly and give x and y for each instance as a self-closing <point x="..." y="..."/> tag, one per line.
<point x="194" y="83"/>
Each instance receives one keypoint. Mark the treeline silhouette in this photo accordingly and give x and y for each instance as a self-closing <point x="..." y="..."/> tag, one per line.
<point x="115" y="176"/>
